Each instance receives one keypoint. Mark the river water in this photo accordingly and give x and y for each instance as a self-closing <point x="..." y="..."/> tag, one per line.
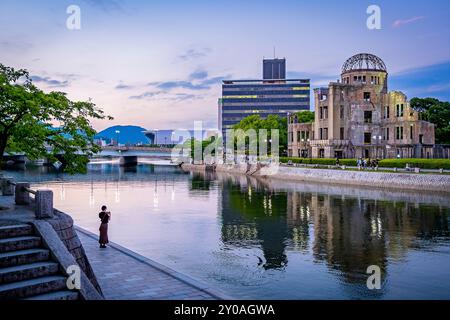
<point x="258" y="239"/>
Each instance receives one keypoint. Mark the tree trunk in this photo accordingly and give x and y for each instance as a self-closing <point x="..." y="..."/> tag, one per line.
<point x="3" y="142"/>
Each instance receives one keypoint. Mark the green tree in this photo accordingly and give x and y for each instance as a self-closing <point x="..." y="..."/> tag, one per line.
<point x="45" y="124"/>
<point x="437" y="112"/>
<point x="305" y="116"/>
<point x="271" y="122"/>
<point x="213" y="142"/>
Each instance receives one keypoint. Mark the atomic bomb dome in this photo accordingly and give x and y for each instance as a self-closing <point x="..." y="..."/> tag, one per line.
<point x="357" y="117"/>
<point x="364" y="62"/>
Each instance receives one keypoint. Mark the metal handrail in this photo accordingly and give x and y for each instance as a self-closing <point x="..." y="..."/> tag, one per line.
<point x="30" y="190"/>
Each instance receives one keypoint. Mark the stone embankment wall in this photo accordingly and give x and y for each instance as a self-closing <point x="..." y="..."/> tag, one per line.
<point x="63" y="225"/>
<point x="225" y="168"/>
<point x="404" y="181"/>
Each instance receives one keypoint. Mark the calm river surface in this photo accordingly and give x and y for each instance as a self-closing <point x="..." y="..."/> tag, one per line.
<point x="266" y="240"/>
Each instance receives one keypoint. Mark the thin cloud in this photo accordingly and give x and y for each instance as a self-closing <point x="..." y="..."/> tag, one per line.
<point x="163" y="95"/>
<point x="168" y="85"/>
<point x="185" y="96"/>
<point x="170" y="90"/>
<point x="215" y="80"/>
<point x="146" y="95"/>
<point x="50" y="82"/>
<point x="438" y="87"/>
<point x="198" y="80"/>
<point x="194" y="54"/>
<point x="198" y="75"/>
<point x="122" y="86"/>
<point x="399" y="22"/>
<point x="105" y="5"/>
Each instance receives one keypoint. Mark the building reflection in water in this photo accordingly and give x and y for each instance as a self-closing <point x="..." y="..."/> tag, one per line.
<point x="155" y="195"/>
<point x="91" y="195"/>
<point x="255" y="217"/>
<point x="62" y="192"/>
<point x="347" y="233"/>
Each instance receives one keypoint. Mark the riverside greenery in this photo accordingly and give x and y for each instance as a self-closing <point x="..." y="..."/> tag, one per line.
<point x="437" y="112"/>
<point x="386" y="163"/>
<point x="273" y="122"/>
<point x="28" y="117"/>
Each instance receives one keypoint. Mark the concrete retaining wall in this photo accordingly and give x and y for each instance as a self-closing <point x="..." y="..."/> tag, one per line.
<point x="197" y="167"/>
<point x="63" y="225"/>
<point x="225" y="168"/>
<point x="236" y="168"/>
<point x="61" y="254"/>
<point x="405" y="181"/>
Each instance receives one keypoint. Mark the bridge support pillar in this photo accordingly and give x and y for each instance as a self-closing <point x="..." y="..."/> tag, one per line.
<point x="128" y="161"/>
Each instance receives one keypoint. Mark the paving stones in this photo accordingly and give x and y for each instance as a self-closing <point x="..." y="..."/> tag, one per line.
<point x="124" y="277"/>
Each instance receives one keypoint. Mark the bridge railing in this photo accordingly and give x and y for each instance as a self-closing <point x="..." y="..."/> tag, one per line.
<point x="43" y="199"/>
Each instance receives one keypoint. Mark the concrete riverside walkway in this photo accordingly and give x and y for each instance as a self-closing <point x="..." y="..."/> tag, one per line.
<point x="126" y="275"/>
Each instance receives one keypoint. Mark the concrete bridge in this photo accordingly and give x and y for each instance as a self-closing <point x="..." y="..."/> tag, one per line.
<point x="19" y="158"/>
<point x="137" y="148"/>
<point x="128" y="155"/>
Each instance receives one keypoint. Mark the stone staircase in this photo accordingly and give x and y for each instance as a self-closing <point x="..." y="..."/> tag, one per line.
<point x="27" y="270"/>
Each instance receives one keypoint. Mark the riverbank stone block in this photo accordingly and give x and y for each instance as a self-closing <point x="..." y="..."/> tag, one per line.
<point x="22" y="197"/>
<point x="7" y="186"/>
<point x="44" y="204"/>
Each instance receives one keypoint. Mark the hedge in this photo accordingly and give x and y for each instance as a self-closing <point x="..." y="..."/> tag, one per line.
<point x="416" y="163"/>
<point x="323" y="161"/>
<point x="386" y="163"/>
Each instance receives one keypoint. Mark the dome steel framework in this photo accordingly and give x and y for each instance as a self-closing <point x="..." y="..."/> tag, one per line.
<point x="364" y="61"/>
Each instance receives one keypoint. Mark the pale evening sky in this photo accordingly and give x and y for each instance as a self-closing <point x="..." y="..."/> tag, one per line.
<point x="159" y="64"/>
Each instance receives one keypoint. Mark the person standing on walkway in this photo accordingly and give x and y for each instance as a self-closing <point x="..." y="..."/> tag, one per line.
<point x="104" y="216"/>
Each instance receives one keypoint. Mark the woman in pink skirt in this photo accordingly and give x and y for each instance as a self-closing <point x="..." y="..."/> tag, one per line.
<point x="104" y="216"/>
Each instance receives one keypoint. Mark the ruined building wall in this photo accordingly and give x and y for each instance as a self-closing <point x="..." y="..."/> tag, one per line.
<point x="358" y="117"/>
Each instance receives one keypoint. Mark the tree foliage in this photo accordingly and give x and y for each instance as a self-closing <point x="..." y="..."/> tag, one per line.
<point x="305" y="116"/>
<point x="437" y="112"/>
<point x="212" y="143"/>
<point x="272" y="122"/>
<point x="45" y="125"/>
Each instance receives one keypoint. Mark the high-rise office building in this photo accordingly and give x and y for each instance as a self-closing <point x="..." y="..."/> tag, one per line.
<point x="242" y="98"/>
<point x="274" y="69"/>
